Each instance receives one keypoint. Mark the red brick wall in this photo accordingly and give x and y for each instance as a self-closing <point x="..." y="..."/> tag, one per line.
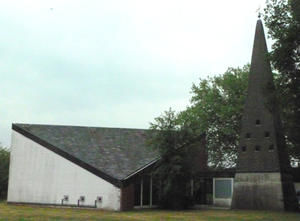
<point x="127" y="197"/>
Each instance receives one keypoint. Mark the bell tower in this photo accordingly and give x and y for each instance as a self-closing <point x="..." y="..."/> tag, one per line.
<point x="262" y="179"/>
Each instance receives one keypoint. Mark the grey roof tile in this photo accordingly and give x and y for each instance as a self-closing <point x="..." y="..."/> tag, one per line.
<point x="117" y="152"/>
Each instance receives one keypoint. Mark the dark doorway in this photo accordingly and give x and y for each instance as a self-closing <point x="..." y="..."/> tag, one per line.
<point x="203" y="191"/>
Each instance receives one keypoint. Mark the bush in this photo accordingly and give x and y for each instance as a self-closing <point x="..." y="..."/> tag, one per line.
<point x="4" y="167"/>
<point x="175" y="143"/>
<point x="176" y="196"/>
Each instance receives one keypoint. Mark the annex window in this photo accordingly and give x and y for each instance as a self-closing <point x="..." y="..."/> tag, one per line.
<point x="271" y="147"/>
<point x="223" y="188"/>
<point x="244" y="148"/>
<point x="248" y="135"/>
<point x="257" y="122"/>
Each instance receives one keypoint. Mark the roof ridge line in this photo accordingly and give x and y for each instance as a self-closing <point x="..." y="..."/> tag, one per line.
<point x="61" y="125"/>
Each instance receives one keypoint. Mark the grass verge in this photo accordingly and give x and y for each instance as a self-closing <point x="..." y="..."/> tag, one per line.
<point x="30" y="213"/>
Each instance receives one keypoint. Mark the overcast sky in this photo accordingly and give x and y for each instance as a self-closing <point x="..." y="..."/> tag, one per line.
<point x="114" y="63"/>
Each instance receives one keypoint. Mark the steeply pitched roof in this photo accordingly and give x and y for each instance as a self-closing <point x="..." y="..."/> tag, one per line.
<point x="111" y="153"/>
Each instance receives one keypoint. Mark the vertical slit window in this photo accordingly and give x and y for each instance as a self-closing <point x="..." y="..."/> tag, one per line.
<point x="244" y="148"/>
<point x="257" y="148"/>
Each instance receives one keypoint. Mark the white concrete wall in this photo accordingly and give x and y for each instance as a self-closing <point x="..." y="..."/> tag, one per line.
<point x="38" y="175"/>
<point x="258" y="191"/>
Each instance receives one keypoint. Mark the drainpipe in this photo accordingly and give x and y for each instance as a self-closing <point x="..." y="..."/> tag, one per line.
<point x="66" y="198"/>
<point x="98" y="199"/>
<point x="81" y="199"/>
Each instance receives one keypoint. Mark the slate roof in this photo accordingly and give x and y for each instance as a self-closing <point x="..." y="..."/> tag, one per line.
<point x="111" y="153"/>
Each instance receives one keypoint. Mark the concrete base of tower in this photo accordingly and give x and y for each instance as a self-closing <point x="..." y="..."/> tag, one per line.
<point x="259" y="191"/>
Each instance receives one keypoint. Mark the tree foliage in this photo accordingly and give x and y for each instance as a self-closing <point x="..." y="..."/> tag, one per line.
<point x="4" y="166"/>
<point x="173" y="138"/>
<point x="215" y="113"/>
<point x="217" y="106"/>
<point x="282" y="17"/>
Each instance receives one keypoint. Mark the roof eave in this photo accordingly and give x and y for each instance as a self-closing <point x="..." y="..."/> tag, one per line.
<point x="141" y="169"/>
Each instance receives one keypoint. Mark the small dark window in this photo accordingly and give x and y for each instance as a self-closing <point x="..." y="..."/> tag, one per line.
<point x="267" y="134"/>
<point x="257" y="148"/>
<point x="271" y="147"/>
<point x="244" y="148"/>
<point x="248" y="135"/>
<point x="257" y="122"/>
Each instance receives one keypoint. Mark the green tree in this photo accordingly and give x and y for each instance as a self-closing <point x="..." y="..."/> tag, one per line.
<point x="282" y="17"/>
<point x="215" y="113"/>
<point x="4" y="166"/>
<point x="217" y="106"/>
<point x="173" y="138"/>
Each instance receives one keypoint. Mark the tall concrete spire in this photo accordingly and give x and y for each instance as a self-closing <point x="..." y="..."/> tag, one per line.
<point x="262" y="180"/>
<point x="258" y="139"/>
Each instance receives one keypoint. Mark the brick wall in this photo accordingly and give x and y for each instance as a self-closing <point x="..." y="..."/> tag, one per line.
<point x="127" y="197"/>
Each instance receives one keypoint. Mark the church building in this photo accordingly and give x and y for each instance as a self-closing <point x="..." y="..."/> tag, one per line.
<point x="111" y="168"/>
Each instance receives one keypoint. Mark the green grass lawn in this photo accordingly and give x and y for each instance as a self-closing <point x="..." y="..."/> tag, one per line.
<point x="22" y="213"/>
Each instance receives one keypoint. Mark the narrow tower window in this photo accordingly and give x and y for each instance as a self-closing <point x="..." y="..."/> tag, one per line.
<point x="244" y="148"/>
<point x="267" y="134"/>
<point x="257" y="148"/>
<point x="257" y="122"/>
<point x="248" y="135"/>
<point x="271" y="147"/>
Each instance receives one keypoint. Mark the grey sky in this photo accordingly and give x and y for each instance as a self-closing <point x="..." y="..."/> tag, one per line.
<point x="114" y="63"/>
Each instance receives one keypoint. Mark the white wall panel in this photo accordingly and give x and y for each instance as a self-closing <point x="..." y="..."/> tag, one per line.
<point x="38" y="175"/>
